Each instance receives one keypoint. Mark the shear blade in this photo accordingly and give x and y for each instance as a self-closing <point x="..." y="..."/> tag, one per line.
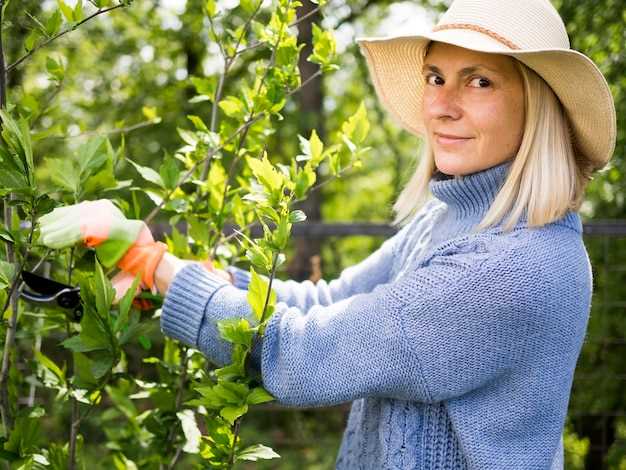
<point x="42" y="285"/>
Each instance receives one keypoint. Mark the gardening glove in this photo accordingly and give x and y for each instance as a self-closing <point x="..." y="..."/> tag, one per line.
<point x="101" y="225"/>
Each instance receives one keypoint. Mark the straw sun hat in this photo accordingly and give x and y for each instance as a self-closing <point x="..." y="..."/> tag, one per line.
<point x="530" y="31"/>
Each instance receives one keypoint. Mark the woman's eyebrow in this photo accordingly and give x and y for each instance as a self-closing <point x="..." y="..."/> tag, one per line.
<point x="464" y="71"/>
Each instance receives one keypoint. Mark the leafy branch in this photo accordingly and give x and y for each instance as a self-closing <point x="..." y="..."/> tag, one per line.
<point x="53" y="38"/>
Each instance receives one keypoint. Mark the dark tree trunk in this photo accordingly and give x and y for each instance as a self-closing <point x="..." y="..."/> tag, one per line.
<point x="306" y="262"/>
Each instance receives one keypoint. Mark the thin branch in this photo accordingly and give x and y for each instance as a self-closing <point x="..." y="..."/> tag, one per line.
<point x="239" y="130"/>
<point x="122" y="130"/>
<point x="314" y="188"/>
<point x="256" y="44"/>
<point x="3" y="70"/>
<point x="305" y="16"/>
<point x="62" y="33"/>
<point x="228" y="62"/>
<point x="193" y="168"/>
<point x="305" y="83"/>
<point x="12" y="300"/>
<point x="243" y="136"/>
<point x="184" y="360"/>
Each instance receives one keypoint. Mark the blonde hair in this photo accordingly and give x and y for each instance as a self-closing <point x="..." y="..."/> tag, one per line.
<point x="547" y="177"/>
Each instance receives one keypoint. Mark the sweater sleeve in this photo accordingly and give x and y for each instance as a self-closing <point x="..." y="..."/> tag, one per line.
<point x="376" y="269"/>
<point x="449" y="325"/>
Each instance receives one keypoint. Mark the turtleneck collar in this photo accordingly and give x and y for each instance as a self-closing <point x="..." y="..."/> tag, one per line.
<point x="469" y="196"/>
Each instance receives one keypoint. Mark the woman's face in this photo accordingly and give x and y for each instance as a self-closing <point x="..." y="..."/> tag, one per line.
<point x="473" y="108"/>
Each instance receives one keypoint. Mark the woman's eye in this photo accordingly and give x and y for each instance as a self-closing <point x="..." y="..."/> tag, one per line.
<point x="480" y="82"/>
<point x="434" y="80"/>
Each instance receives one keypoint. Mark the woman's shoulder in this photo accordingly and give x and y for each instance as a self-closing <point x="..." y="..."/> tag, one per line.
<point x="557" y="245"/>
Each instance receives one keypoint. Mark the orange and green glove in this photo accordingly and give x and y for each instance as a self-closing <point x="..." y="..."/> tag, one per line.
<point x="118" y="241"/>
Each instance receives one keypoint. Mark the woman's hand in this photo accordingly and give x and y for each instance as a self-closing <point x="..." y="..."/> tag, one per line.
<point x="97" y="224"/>
<point x="129" y="244"/>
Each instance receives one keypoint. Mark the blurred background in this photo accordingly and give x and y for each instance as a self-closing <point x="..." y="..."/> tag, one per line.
<point x="147" y="55"/>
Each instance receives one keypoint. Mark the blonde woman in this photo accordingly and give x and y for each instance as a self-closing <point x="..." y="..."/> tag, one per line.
<point x="457" y="340"/>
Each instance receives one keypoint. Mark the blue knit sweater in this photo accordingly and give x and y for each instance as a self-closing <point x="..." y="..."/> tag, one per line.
<point x="456" y="349"/>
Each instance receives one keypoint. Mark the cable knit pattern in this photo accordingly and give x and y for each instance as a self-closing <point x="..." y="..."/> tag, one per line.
<point x="456" y="347"/>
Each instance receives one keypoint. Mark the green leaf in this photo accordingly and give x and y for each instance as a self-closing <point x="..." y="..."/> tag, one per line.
<point x="50" y="365"/>
<point x="55" y="69"/>
<point x="259" y="395"/>
<point x="104" y="292"/>
<point x="297" y="216"/>
<point x="324" y="49"/>
<point x="53" y="25"/>
<point x="24" y="435"/>
<point x="233" y="107"/>
<point x="280" y="236"/>
<point x="82" y="371"/>
<point x="125" y="305"/>
<point x="317" y="149"/>
<point x="31" y="39"/>
<point x="7" y="272"/>
<point x="304" y="180"/>
<point x="169" y="172"/>
<point x="101" y="365"/>
<point x="205" y="88"/>
<point x="148" y="174"/>
<point x="249" y="5"/>
<point x="265" y="172"/>
<point x="258" y="257"/>
<point x="257" y="452"/>
<point x="210" y="8"/>
<point x="64" y="173"/>
<point x="68" y="13"/>
<point x="78" y="11"/>
<point x="91" y="157"/>
<point x="150" y="113"/>
<point x="357" y="126"/>
<point x="257" y="291"/>
<point x="236" y="330"/>
<point x="6" y="235"/>
<point x="198" y="123"/>
<point x="231" y="413"/>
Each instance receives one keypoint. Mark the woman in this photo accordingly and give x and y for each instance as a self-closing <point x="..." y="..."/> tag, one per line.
<point x="457" y="340"/>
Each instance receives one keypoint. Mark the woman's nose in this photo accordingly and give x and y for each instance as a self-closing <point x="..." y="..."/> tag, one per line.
<point x="442" y="103"/>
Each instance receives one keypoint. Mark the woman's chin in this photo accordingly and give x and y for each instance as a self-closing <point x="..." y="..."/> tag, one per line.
<point x="452" y="165"/>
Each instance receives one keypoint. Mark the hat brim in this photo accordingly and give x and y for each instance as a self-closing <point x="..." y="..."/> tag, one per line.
<point x="395" y="65"/>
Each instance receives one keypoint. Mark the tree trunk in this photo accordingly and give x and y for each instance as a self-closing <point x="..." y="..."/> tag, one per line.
<point x="306" y="262"/>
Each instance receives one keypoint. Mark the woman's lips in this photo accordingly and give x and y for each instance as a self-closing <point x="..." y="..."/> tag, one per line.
<point x="446" y="139"/>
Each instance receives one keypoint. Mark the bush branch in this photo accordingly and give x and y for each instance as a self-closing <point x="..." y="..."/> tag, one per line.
<point x="62" y="33"/>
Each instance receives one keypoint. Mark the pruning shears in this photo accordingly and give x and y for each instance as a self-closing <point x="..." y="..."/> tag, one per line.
<point x="47" y="292"/>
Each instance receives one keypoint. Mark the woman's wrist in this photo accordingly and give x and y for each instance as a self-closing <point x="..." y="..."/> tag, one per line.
<point x="166" y="270"/>
<point x="170" y="265"/>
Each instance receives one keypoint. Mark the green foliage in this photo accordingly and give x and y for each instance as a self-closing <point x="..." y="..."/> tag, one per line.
<point x="214" y="169"/>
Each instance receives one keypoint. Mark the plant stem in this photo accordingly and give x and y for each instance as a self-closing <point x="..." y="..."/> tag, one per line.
<point x="12" y="300"/>
<point x="243" y="136"/>
<point x="3" y="69"/>
<point x="212" y="152"/>
<point x="74" y="427"/>
<point x="228" y="62"/>
<point x="75" y="418"/>
<point x="231" y="457"/>
<point x="177" y="404"/>
<point x="62" y="33"/>
<point x="256" y="44"/>
<point x="193" y="168"/>
<point x="122" y="130"/>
